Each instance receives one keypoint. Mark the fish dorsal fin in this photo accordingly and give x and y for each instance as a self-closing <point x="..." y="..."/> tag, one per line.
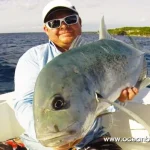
<point x="134" y="43"/>
<point x="78" y="41"/>
<point x="137" y="46"/>
<point x="103" y="33"/>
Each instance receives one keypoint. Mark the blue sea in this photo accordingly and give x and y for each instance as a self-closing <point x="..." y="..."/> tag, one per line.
<point x="13" y="45"/>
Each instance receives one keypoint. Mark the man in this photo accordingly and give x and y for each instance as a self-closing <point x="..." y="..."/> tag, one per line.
<point x="62" y="25"/>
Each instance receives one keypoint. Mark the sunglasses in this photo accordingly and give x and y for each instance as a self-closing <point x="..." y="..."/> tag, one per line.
<point x="69" y="20"/>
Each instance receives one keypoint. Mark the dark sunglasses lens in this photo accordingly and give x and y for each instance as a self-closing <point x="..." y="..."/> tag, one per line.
<point x="54" y="24"/>
<point x="71" y="19"/>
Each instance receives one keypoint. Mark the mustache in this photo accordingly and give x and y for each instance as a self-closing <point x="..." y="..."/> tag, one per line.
<point x="67" y="28"/>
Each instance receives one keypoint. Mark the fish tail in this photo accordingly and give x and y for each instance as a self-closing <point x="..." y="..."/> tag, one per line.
<point x="144" y="78"/>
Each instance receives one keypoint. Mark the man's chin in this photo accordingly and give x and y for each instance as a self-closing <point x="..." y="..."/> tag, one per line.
<point x="67" y="40"/>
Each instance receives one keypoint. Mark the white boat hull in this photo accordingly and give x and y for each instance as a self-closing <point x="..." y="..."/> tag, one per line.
<point x="9" y="126"/>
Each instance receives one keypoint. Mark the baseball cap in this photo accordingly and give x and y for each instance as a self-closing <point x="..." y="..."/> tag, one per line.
<point x="54" y="4"/>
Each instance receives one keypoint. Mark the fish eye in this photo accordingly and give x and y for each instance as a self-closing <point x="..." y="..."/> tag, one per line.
<point x="58" y="102"/>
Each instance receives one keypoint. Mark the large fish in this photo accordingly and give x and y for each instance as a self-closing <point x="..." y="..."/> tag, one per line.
<point x="66" y="91"/>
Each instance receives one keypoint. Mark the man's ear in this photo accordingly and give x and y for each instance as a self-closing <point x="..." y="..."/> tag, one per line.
<point x="80" y="21"/>
<point x="45" y="29"/>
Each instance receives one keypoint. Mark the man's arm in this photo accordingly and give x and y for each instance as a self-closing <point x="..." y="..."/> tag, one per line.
<point x="26" y="74"/>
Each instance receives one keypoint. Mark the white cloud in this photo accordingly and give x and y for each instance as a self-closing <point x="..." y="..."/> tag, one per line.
<point x="27" y="4"/>
<point x="143" y="19"/>
<point x="28" y="13"/>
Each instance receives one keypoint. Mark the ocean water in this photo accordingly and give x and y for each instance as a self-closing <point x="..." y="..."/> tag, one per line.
<point x="13" y="45"/>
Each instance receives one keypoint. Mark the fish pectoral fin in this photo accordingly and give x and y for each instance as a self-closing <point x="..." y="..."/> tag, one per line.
<point x="78" y="41"/>
<point x="101" y="109"/>
<point x="131" y="114"/>
<point x="98" y="97"/>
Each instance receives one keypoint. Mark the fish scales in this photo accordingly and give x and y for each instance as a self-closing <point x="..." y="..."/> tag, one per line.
<point x="102" y="66"/>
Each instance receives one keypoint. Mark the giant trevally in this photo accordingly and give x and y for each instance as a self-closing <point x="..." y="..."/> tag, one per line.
<point x="65" y="98"/>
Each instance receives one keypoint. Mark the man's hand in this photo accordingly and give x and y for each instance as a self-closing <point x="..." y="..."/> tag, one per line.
<point x="128" y="94"/>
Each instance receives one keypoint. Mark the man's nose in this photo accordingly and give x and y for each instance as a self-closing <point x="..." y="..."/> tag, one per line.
<point x="63" y="24"/>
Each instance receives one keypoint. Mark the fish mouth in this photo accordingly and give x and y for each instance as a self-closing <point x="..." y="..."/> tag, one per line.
<point x="60" y="138"/>
<point x="56" y="140"/>
<point x="48" y="132"/>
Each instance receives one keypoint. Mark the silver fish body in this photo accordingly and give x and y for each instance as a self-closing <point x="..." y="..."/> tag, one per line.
<point x="65" y="104"/>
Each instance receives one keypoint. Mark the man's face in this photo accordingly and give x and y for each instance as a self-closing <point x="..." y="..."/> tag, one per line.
<point x="65" y="34"/>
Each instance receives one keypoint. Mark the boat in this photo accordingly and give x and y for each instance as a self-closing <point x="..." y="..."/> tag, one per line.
<point x="9" y="127"/>
<point x="119" y="128"/>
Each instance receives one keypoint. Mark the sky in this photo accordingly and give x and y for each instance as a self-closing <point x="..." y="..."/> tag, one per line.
<point x="26" y="15"/>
